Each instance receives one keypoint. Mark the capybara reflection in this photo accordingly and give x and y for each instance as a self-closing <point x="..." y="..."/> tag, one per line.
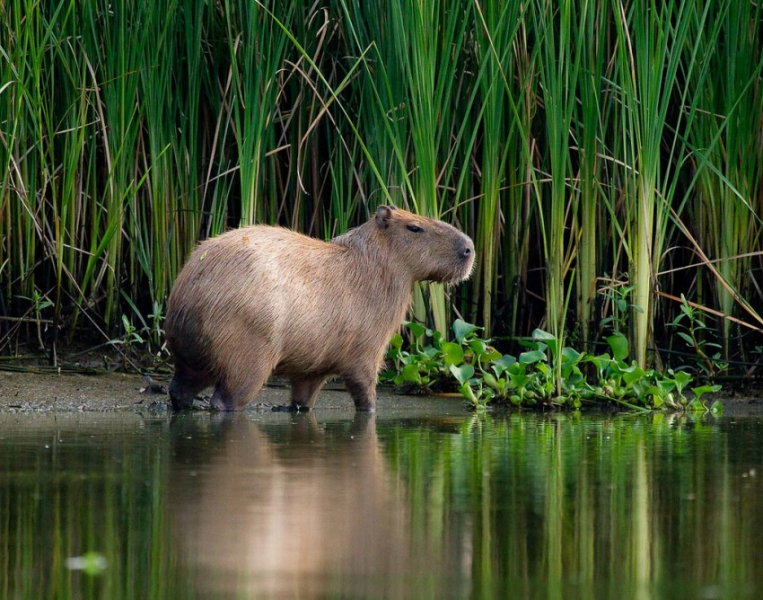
<point x="261" y="300"/>
<point x="300" y="509"/>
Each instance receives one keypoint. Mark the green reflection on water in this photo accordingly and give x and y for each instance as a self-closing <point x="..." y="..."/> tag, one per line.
<point x="320" y="506"/>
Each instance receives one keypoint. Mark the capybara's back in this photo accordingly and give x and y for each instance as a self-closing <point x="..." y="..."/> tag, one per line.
<point x="261" y="299"/>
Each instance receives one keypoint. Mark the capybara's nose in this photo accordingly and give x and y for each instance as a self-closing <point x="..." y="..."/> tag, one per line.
<point x="467" y="248"/>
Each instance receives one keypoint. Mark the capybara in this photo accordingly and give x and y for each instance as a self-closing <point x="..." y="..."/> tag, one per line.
<point x="261" y="300"/>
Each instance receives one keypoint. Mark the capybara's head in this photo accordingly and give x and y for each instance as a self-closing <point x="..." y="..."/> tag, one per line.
<point x="430" y="250"/>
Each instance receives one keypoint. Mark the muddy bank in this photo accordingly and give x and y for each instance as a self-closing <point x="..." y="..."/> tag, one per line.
<point x="109" y="392"/>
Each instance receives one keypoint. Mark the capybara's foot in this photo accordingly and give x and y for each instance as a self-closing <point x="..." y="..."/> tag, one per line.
<point x="291" y="408"/>
<point x="180" y="396"/>
<point x="179" y="404"/>
<point x="363" y="392"/>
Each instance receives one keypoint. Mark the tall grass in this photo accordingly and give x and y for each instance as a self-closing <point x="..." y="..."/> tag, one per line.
<point x="727" y="205"/>
<point x="602" y="155"/>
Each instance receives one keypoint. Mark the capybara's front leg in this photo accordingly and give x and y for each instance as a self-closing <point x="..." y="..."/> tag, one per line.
<point x="186" y="383"/>
<point x="362" y="388"/>
<point x="304" y="391"/>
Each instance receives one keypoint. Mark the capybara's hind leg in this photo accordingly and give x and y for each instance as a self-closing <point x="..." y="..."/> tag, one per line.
<point x="304" y="391"/>
<point x="186" y="383"/>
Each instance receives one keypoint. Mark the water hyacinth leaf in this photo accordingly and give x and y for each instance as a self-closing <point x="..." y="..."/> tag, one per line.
<point x="656" y="394"/>
<point x="632" y="374"/>
<point x="462" y="330"/>
<point x="463" y="373"/>
<point x="716" y="407"/>
<point x="532" y="357"/>
<point x="601" y="361"/>
<point x="500" y="365"/>
<point x="410" y="374"/>
<point x="705" y="389"/>
<point x="430" y="352"/>
<point x="490" y="380"/>
<point x="682" y="379"/>
<point x="619" y="345"/>
<point x="570" y="356"/>
<point x="479" y="347"/>
<point x="416" y="329"/>
<point x="696" y="406"/>
<point x="544" y="336"/>
<point x="396" y="342"/>
<point x="452" y="353"/>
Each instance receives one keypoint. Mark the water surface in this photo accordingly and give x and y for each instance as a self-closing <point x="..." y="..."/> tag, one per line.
<point x="330" y="504"/>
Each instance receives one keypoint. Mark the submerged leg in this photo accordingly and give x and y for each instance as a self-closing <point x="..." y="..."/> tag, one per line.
<point x="186" y="383"/>
<point x="362" y="388"/>
<point x="304" y="391"/>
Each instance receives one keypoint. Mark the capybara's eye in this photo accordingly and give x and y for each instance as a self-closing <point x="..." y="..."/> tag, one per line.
<point x="415" y="228"/>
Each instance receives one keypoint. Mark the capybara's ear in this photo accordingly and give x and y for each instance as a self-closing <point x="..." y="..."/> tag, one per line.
<point x="383" y="216"/>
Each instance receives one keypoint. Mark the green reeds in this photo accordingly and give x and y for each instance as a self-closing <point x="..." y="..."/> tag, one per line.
<point x="653" y="51"/>
<point x="575" y="141"/>
<point x="559" y="65"/>
<point x="727" y="206"/>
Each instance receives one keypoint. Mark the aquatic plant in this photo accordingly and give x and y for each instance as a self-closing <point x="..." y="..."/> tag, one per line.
<point x="485" y="376"/>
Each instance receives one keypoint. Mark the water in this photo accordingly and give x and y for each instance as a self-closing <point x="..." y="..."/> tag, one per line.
<point x="330" y="505"/>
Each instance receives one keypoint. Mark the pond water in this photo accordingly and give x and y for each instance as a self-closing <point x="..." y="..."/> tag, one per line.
<point x="331" y="504"/>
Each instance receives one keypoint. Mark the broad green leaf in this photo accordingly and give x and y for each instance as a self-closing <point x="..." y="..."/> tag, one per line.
<point x="462" y="329"/>
<point x="705" y="389"/>
<point x="411" y="374"/>
<point x="503" y="363"/>
<point x="619" y="345"/>
<point x="396" y="342"/>
<point x="416" y="329"/>
<point x="540" y="335"/>
<point x="531" y="357"/>
<point x="463" y="373"/>
<point x="452" y="353"/>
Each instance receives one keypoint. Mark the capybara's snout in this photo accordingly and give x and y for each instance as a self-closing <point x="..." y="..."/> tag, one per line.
<point x="465" y="258"/>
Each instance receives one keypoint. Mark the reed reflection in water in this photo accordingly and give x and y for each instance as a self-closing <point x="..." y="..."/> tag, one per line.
<point x="319" y="505"/>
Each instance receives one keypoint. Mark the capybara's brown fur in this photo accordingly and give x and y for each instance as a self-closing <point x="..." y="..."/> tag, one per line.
<point x="259" y="300"/>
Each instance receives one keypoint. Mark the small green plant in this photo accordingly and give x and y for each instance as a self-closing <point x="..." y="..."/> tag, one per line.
<point x="483" y="375"/>
<point x="619" y="295"/>
<point x="39" y="302"/>
<point x="695" y="333"/>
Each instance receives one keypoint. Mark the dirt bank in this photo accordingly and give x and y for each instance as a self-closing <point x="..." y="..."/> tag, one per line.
<point x="108" y="392"/>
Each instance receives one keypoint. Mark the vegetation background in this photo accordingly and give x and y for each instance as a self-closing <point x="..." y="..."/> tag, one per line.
<point x="604" y="156"/>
